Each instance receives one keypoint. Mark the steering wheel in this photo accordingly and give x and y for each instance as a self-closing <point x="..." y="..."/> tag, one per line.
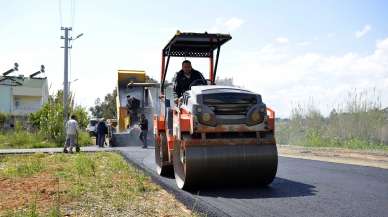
<point x="198" y="82"/>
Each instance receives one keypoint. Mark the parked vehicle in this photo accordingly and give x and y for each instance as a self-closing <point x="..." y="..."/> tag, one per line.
<point x="92" y="127"/>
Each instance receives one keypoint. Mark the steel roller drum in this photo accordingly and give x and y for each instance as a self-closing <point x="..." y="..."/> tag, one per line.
<point x="239" y="165"/>
<point x="161" y="155"/>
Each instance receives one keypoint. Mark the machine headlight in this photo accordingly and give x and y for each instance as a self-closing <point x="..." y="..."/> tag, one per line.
<point x="255" y="116"/>
<point x="206" y="117"/>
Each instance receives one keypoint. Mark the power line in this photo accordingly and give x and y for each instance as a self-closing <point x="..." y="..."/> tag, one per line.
<point x="60" y="12"/>
<point x="67" y="52"/>
<point x="70" y="51"/>
<point x="72" y="13"/>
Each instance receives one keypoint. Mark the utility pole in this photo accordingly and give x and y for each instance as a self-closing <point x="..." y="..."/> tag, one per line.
<point x="66" y="70"/>
<point x="66" y="85"/>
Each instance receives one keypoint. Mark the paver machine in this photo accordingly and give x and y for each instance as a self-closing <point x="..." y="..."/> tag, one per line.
<point x="213" y="134"/>
<point x="134" y="83"/>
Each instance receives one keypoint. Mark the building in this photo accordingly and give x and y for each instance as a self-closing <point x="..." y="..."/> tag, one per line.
<point x="21" y="95"/>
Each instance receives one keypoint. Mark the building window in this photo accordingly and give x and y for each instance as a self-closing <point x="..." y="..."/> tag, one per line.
<point x="17" y="103"/>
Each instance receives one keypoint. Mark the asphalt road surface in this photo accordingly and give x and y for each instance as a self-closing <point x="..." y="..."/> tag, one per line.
<point x="301" y="188"/>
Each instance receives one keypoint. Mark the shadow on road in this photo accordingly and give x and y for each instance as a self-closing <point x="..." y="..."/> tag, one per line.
<point x="280" y="188"/>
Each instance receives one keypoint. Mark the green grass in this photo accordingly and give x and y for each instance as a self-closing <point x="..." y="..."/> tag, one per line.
<point x="23" y="167"/>
<point x="91" y="184"/>
<point x="288" y="134"/>
<point x="358" y="123"/>
<point x="314" y="139"/>
<point x="24" y="139"/>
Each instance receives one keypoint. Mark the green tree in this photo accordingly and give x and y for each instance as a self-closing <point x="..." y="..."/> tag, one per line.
<point x="82" y="116"/>
<point x="106" y="108"/>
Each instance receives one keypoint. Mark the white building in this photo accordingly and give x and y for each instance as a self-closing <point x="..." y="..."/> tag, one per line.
<point x="21" y="95"/>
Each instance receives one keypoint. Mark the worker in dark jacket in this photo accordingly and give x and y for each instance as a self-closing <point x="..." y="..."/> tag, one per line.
<point x="133" y="106"/>
<point x="185" y="77"/>
<point x="102" y="130"/>
<point x="144" y="130"/>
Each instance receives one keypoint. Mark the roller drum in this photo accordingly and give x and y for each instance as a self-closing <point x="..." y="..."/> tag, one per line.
<point x="161" y="157"/>
<point x="224" y="165"/>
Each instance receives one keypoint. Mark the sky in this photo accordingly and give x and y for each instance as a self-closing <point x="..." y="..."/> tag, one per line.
<point x="309" y="53"/>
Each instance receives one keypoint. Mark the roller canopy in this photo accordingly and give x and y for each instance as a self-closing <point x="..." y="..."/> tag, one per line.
<point x="194" y="44"/>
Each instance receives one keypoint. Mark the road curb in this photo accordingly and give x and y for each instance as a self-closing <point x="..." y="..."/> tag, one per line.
<point x="50" y="150"/>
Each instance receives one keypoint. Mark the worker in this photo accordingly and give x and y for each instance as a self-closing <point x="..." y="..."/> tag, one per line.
<point x="133" y="106"/>
<point x="102" y="130"/>
<point x="186" y="77"/>
<point x="71" y="133"/>
<point x="144" y="130"/>
<point x="111" y="131"/>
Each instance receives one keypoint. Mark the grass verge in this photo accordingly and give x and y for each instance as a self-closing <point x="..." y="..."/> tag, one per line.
<point x="85" y="184"/>
<point x="24" y="139"/>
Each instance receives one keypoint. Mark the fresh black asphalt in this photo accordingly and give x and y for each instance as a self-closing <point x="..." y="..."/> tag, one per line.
<point x="301" y="188"/>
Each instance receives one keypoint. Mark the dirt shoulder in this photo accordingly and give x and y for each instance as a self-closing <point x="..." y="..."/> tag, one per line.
<point x="337" y="155"/>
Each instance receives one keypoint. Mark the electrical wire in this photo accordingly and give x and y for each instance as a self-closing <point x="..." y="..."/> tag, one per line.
<point x="60" y="12"/>
<point x="73" y="4"/>
<point x="72" y="13"/>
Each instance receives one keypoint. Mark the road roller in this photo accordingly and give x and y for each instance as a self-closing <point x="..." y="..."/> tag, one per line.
<point x="212" y="135"/>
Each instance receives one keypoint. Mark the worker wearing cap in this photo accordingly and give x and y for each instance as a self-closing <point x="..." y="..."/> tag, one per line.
<point x="185" y="77"/>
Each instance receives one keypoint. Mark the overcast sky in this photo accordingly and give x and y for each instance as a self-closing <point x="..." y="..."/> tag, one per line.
<point x="291" y="52"/>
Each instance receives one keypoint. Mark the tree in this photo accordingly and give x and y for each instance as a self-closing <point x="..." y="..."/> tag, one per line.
<point x="107" y="108"/>
<point x="81" y="115"/>
<point x="97" y="109"/>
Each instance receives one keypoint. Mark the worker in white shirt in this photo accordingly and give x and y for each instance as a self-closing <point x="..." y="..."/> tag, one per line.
<point x="71" y="133"/>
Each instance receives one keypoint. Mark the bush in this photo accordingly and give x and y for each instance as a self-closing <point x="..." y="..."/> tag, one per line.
<point x="24" y="139"/>
<point x="49" y="124"/>
<point x="84" y="138"/>
<point x="359" y="124"/>
<point x="3" y="119"/>
<point x="49" y="120"/>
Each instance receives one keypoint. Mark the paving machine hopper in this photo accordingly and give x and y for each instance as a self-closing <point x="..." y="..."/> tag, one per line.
<point x="134" y="83"/>
<point x="213" y="134"/>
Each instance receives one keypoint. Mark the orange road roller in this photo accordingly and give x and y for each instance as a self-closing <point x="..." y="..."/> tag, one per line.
<point x="212" y="134"/>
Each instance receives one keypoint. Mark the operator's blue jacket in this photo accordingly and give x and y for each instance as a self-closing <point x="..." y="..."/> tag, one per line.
<point x="182" y="83"/>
